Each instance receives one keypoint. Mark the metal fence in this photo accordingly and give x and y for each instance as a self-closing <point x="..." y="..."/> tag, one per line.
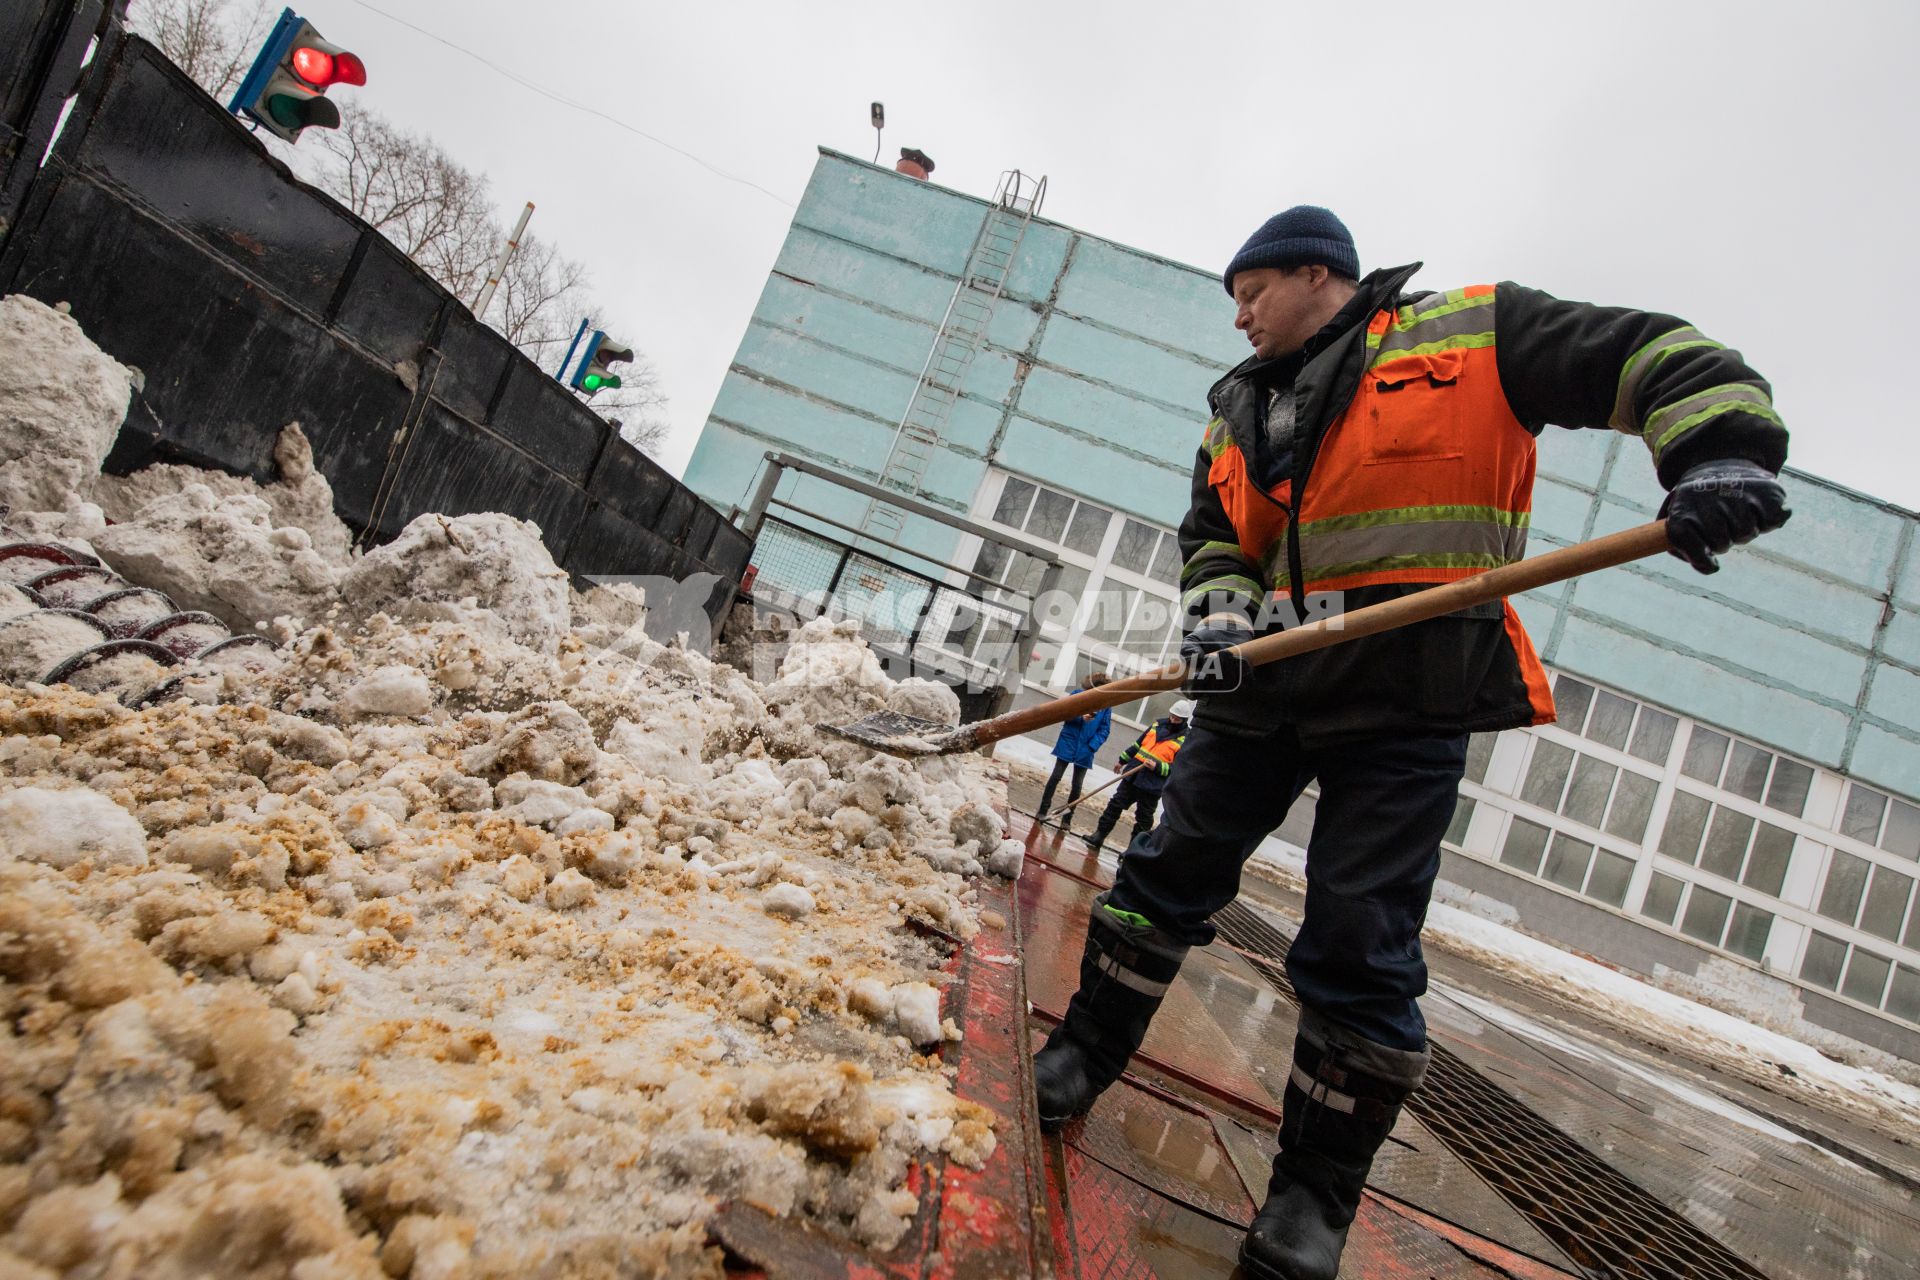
<point x="917" y="623"/>
<point x="922" y="615"/>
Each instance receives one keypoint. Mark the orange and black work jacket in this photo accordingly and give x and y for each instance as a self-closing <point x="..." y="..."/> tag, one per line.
<point x="1411" y="464"/>
<point x="1156" y="749"/>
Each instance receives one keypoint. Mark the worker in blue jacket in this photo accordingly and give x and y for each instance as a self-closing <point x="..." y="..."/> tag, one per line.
<point x="1079" y="738"/>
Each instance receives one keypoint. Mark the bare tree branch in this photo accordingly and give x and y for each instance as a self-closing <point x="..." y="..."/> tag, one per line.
<point x="214" y="41"/>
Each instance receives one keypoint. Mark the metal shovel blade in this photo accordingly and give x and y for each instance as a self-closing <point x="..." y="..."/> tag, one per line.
<point x="908" y="736"/>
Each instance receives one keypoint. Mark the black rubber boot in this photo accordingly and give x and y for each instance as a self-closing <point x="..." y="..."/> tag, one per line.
<point x="1124" y="974"/>
<point x="1341" y="1103"/>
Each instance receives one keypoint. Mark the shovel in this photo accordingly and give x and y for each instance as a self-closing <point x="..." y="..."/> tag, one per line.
<point x="1076" y="803"/>
<point x="911" y="736"/>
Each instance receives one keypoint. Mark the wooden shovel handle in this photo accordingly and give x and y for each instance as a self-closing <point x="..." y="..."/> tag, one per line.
<point x="1495" y="584"/>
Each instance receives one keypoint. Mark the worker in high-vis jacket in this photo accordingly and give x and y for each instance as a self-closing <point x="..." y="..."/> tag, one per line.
<point x="1379" y="441"/>
<point x="1144" y="768"/>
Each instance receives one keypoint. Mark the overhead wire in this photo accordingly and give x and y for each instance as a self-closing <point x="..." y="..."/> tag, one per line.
<point x="570" y="103"/>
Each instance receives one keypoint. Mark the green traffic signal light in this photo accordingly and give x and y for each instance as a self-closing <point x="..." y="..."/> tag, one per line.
<point x="594" y="375"/>
<point x="292" y="112"/>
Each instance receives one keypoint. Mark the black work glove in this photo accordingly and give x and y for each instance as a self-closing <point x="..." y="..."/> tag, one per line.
<point x="1719" y="503"/>
<point x="1209" y="668"/>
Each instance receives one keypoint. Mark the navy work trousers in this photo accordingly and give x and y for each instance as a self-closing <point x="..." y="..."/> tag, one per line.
<point x="1371" y="861"/>
<point x="1129" y="792"/>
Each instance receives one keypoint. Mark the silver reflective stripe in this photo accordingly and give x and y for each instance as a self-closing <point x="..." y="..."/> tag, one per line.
<point x="1419" y="537"/>
<point x="1323" y="1093"/>
<point x="1128" y="978"/>
<point x="1642" y="362"/>
<point x="1669" y="423"/>
<point x="1447" y="324"/>
<point x="1230" y="585"/>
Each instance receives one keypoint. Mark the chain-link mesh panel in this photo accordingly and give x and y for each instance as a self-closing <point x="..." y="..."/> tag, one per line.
<point x="965" y="636"/>
<point x="795" y="568"/>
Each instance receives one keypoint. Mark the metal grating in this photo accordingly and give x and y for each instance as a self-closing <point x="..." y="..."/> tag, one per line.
<point x="1171" y="1149"/>
<point x="1606" y="1223"/>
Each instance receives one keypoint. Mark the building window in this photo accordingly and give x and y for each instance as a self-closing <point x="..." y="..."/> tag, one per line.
<point x="1903" y="997"/>
<point x="1462" y="818"/>
<point x="1747" y="935"/>
<point x="1525" y="844"/>
<point x="1727" y="843"/>
<point x="1824" y="958"/>
<point x="1874" y="818"/>
<point x="1846" y="883"/>
<point x="1866" y="979"/>
<point x="1588" y="790"/>
<point x="1662" y="902"/>
<point x="1611" y="875"/>
<point x="1705" y="918"/>
<point x="1480" y="755"/>
<point x="1124" y="572"/>
<point x="1614" y="721"/>
<point x="1885" y="910"/>
<point x="1747" y="771"/>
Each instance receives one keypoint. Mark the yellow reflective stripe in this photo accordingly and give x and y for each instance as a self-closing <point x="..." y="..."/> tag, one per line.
<point x="1456" y="300"/>
<point x="1424" y="537"/>
<point x="1233" y="583"/>
<point x="1217" y="438"/>
<point x="1412" y="515"/>
<point x="1759" y="408"/>
<point x="1425" y="560"/>
<point x="1453" y="342"/>
<point x="1210" y="549"/>
<point x="1645" y="361"/>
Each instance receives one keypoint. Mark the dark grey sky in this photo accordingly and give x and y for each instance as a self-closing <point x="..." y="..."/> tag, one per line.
<point x="1747" y="166"/>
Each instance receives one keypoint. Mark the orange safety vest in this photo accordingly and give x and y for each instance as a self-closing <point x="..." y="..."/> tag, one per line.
<point x="1427" y="477"/>
<point x="1161" y="749"/>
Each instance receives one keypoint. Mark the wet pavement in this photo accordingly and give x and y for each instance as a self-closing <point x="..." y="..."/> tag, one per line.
<point x="1544" y="1143"/>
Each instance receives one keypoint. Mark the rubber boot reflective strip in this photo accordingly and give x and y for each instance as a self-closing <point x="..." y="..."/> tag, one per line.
<point x="1128" y="978"/>
<point x="1323" y="1093"/>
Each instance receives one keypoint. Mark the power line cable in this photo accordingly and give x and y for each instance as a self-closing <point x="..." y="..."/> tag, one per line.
<point x="564" y="101"/>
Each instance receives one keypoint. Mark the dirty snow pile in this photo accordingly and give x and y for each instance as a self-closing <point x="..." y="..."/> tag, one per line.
<point x="473" y="934"/>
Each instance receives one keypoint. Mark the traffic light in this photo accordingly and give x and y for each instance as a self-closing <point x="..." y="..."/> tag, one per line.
<point x="286" y="89"/>
<point x="594" y="373"/>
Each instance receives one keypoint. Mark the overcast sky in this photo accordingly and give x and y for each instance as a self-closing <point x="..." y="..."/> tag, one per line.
<point x="1750" y="167"/>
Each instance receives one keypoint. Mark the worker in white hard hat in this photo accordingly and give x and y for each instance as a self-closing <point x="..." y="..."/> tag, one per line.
<point x="1145" y="767"/>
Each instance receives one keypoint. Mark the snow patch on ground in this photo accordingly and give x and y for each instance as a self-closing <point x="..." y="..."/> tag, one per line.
<point x="1750" y="1050"/>
<point x="1697" y="1098"/>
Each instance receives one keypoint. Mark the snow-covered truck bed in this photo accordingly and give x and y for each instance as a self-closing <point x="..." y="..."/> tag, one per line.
<point x="456" y="928"/>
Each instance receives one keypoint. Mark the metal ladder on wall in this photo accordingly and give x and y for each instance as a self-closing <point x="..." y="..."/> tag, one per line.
<point x="963" y="330"/>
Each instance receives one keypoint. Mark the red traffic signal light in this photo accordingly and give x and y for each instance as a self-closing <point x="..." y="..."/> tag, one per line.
<point x="285" y="91"/>
<point x="323" y="69"/>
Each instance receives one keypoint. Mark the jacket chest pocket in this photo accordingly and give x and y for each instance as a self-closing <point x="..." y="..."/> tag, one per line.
<point x="1415" y="409"/>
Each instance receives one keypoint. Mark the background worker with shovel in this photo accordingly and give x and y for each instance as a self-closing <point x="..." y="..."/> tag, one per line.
<point x="1145" y="765"/>
<point x="1378" y="442"/>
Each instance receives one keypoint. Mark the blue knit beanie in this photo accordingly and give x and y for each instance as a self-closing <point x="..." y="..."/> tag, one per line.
<point x="1303" y="234"/>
